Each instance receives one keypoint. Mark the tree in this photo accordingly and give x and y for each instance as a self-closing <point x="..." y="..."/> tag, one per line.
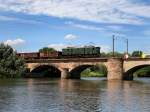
<point x="11" y="66"/>
<point x="98" y="70"/>
<point x="143" y="72"/>
<point x="47" y="49"/>
<point x="117" y="54"/>
<point x="103" y="54"/>
<point x="137" y="53"/>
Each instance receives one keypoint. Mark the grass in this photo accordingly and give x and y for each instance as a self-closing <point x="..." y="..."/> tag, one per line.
<point x="93" y="74"/>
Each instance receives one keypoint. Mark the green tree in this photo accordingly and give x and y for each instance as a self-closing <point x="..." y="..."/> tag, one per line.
<point x="117" y="54"/>
<point x="143" y="72"/>
<point x="11" y="66"/>
<point x="137" y="53"/>
<point x="103" y="54"/>
<point x="47" y="49"/>
<point x="99" y="70"/>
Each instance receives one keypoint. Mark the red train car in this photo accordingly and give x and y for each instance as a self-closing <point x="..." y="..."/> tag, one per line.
<point x="37" y="55"/>
<point x="54" y="54"/>
<point x="34" y="55"/>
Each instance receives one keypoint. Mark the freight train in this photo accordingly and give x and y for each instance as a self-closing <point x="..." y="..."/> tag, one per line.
<point x="69" y="52"/>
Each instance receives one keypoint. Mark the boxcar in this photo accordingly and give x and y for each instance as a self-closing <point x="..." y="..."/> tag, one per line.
<point x="34" y="55"/>
<point x="54" y="54"/>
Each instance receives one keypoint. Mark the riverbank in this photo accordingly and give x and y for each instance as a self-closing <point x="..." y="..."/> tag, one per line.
<point x="93" y="74"/>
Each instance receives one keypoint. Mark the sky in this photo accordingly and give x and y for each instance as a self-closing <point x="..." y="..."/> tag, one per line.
<point x="28" y="25"/>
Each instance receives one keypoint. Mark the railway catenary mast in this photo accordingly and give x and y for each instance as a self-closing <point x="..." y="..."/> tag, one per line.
<point x="113" y="45"/>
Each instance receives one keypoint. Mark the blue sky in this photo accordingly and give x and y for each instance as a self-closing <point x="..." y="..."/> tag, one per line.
<point x="28" y="25"/>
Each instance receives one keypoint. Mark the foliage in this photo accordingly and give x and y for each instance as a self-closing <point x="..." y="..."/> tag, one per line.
<point x="103" y="54"/>
<point x="11" y="66"/>
<point x="116" y="54"/>
<point x="143" y="72"/>
<point x="137" y="53"/>
<point x="47" y="49"/>
<point x="110" y="54"/>
<point x="95" y="71"/>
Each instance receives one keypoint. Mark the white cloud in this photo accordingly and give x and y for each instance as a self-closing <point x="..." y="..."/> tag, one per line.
<point x="58" y="47"/>
<point x="105" y="48"/>
<point x="15" y="42"/>
<point x="19" y="20"/>
<point x="83" y="26"/>
<point x="136" y="9"/>
<point x="106" y="11"/>
<point x="70" y="37"/>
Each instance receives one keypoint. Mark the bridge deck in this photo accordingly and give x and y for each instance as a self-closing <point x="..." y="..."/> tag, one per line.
<point x="67" y="60"/>
<point x="137" y="59"/>
<point x="81" y="60"/>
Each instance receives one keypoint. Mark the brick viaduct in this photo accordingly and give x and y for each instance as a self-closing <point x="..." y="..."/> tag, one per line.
<point x="117" y="68"/>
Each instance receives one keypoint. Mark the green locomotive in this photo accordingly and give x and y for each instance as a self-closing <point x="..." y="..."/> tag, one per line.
<point x="86" y="51"/>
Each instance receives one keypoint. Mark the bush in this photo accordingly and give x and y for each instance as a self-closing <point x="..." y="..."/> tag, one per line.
<point x="11" y="66"/>
<point x="47" y="49"/>
<point x="95" y="71"/>
<point x="143" y="72"/>
<point x="137" y="53"/>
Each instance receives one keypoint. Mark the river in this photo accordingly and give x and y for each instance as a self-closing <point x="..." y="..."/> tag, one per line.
<point x="85" y="95"/>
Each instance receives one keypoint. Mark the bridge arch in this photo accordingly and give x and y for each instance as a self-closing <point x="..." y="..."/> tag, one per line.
<point x="45" y="71"/>
<point x="128" y="75"/>
<point x="75" y="73"/>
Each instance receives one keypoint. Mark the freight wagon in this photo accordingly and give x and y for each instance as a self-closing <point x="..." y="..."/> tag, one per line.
<point x="40" y="55"/>
<point x="53" y="54"/>
<point x="34" y="55"/>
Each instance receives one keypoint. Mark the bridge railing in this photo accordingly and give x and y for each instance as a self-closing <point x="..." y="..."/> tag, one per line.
<point x="68" y="60"/>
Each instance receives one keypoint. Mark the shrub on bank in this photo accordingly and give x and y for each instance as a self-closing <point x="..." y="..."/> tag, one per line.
<point x="143" y="72"/>
<point x="95" y="71"/>
<point x="11" y="66"/>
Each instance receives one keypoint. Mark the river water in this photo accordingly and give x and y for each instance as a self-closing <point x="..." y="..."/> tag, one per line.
<point x="85" y="95"/>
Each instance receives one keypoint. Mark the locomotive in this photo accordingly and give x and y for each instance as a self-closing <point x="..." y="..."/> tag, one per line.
<point x="69" y="52"/>
<point x="86" y="51"/>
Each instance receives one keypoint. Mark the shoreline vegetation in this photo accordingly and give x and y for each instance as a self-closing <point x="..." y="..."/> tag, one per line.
<point x="143" y="72"/>
<point x="12" y="66"/>
<point x="95" y="71"/>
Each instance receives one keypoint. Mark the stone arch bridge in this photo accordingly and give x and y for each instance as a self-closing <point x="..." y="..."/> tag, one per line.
<point x="117" y="68"/>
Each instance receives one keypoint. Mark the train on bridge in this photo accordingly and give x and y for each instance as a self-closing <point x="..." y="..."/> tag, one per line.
<point x="69" y="52"/>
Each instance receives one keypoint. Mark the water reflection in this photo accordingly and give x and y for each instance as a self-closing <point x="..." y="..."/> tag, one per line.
<point x="79" y="95"/>
<point x="86" y="95"/>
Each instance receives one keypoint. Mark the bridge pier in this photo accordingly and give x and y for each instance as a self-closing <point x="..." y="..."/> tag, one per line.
<point x="115" y="69"/>
<point x="65" y="73"/>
